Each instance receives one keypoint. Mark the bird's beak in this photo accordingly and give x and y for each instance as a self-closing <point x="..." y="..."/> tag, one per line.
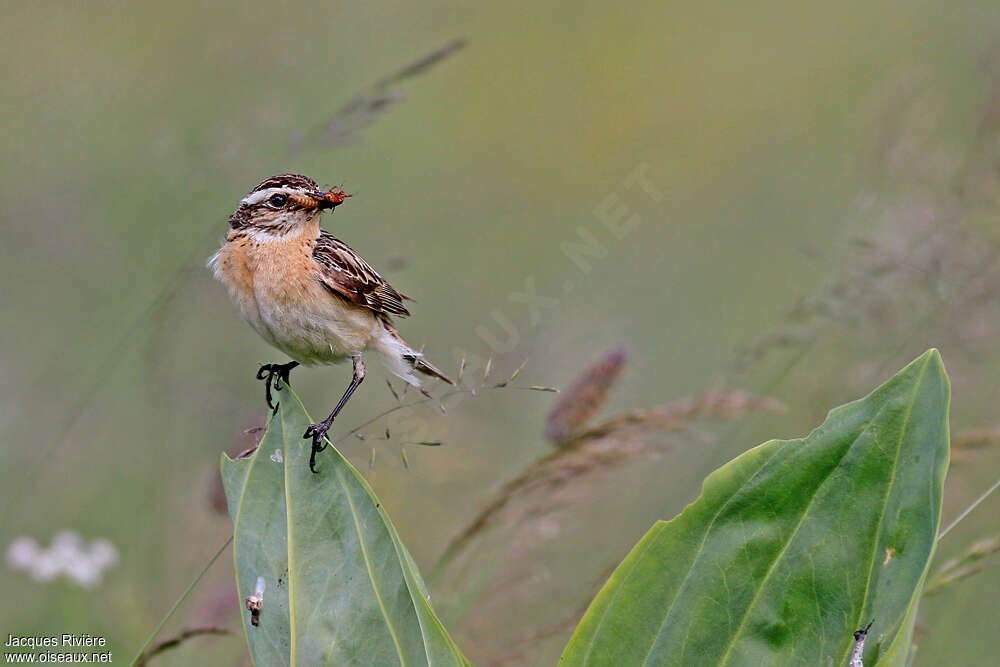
<point x="329" y="199"/>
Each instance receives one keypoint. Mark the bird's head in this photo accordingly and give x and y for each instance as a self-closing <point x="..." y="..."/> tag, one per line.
<point x="284" y="203"/>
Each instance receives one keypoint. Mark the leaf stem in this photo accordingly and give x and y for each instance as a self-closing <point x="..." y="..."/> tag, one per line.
<point x="968" y="510"/>
<point x="180" y="601"/>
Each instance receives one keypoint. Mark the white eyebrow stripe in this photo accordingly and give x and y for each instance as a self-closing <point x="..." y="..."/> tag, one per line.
<point x="258" y="197"/>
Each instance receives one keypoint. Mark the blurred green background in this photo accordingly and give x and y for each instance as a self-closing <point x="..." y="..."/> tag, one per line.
<point x="830" y="179"/>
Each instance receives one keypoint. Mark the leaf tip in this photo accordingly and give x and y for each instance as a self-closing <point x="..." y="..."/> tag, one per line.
<point x="933" y="357"/>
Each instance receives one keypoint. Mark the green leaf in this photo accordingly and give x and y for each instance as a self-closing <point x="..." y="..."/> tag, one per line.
<point x="792" y="546"/>
<point x="340" y="587"/>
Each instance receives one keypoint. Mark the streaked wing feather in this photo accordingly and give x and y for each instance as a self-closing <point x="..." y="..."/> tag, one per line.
<point x="346" y="274"/>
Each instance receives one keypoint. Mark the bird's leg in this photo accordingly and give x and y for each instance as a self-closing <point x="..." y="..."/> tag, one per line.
<point x="318" y="431"/>
<point x="271" y="374"/>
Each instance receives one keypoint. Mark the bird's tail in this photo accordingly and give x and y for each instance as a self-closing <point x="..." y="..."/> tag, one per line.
<point x="402" y="360"/>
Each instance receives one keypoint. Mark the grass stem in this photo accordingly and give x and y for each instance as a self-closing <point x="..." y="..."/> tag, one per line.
<point x="969" y="509"/>
<point x="179" y="601"/>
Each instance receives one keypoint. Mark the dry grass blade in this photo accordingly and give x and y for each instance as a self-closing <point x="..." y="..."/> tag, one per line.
<point x="965" y="443"/>
<point x="513" y="376"/>
<point x="177" y="640"/>
<point x="921" y="259"/>
<point x="421" y="65"/>
<point x="976" y="438"/>
<point x="585" y="397"/>
<point x="392" y="390"/>
<point x="676" y="415"/>
<point x="964" y="566"/>
<point x="602" y="448"/>
<point x="369" y="105"/>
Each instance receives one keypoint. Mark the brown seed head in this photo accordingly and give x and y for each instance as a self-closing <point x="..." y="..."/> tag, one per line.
<point x="586" y="397"/>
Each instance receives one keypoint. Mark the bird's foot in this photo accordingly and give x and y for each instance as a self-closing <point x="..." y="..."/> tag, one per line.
<point x="318" y="433"/>
<point x="274" y="375"/>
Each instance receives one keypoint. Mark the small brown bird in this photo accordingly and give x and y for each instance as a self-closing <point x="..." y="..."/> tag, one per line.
<point x="308" y="294"/>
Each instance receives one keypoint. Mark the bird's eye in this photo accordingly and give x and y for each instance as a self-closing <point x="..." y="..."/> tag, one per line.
<point x="277" y="201"/>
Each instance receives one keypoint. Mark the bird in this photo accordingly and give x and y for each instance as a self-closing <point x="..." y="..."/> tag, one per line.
<point x="309" y="294"/>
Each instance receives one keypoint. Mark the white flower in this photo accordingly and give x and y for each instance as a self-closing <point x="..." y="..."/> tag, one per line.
<point x="21" y="553"/>
<point x="103" y="553"/>
<point x="68" y="555"/>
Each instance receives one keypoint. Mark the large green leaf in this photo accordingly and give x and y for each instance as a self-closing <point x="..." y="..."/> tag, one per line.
<point x="791" y="546"/>
<point x="340" y="587"/>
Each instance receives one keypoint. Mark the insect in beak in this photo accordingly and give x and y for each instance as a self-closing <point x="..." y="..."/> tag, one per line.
<point x="330" y="199"/>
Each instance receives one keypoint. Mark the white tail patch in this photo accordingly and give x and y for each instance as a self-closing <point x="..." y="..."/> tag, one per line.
<point x="393" y="352"/>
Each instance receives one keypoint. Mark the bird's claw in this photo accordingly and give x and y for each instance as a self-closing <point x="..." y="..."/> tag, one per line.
<point x="318" y="433"/>
<point x="268" y="374"/>
<point x="274" y="375"/>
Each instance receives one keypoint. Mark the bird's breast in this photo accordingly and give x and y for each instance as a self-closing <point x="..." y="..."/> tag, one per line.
<point x="233" y="266"/>
<point x="276" y="285"/>
<point x="304" y="318"/>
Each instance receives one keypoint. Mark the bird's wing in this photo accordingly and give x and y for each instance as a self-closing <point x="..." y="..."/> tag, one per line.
<point x="346" y="274"/>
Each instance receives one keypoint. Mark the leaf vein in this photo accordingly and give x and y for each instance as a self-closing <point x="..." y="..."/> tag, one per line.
<point x="368" y="566"/>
